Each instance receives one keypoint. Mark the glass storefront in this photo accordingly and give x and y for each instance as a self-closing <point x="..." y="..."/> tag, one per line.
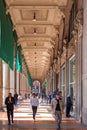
<point x="63" y="81"/>
<point x="72" y="80"/>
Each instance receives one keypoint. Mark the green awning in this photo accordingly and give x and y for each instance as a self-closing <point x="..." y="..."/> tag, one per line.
<point x="18" y="59"/>
<point x="6" y="38"/>
<point x="29" y="79"/>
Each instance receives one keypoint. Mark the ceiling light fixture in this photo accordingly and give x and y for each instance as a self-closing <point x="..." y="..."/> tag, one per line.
<point x="34" y="17"/>
<point x="35" y="44"/>
<point x="35" y="31"/>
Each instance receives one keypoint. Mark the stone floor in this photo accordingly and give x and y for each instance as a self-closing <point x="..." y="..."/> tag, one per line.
<point x="44" y="119"/>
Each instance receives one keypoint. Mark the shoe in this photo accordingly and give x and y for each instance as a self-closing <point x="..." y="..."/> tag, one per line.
<point x="34" y="117"/>
<point x="59" y="127"/>
<point x="12" y="121"/>
<point x="68" y="116"/>
<point x="9" y="124"/>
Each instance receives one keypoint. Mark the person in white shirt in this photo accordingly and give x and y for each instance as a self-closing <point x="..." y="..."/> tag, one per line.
<point x="34" y="101"/>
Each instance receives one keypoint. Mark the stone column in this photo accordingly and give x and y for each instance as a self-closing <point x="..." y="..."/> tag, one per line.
<point x="18" y="81"/>
<point x="49" y="83"/>
<point x="54" y="75"/>
<point x="50" y="80"/>
<point x="78" y="63"/>
<point x="24" y="88"/>
<point x="0" y="82"/>
<point x="59" y="85"/>
<point x="6" y="81"/>
<point x="53" y="85"/>
<point x="12" y="81"/>
<point x="66" y="73"/>
<point x="84" y="67"/>
<point x="78" y="84"/>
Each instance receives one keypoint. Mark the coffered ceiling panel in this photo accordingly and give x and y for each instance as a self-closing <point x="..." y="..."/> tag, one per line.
<point x="37" y="2"/>
<point x="44" y="16"/>
<point x="40" y="15"/>
<point x="31" y="30"/>
<point x="37" y="23"/>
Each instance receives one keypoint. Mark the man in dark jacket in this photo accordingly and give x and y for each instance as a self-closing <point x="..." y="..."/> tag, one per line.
<point x="16" y="98"/>
<point x="68" y="106"/>
<point x="9" y="101"/>
<point x="59" y="108"/>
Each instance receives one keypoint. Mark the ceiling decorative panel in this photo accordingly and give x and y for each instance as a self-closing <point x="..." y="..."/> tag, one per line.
<point x="37" y="25"/>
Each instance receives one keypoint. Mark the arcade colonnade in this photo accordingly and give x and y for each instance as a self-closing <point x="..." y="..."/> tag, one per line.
<point x="68" y="73"/>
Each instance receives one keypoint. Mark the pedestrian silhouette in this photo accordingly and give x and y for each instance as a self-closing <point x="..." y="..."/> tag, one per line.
<point x="9" y="101"/>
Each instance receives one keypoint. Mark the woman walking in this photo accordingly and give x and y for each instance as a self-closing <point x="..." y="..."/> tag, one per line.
<point x="34" y="101"/>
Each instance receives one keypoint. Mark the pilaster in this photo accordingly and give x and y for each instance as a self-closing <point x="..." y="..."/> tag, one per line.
<point x="84" y="67"/>
<point x="6" y="80"/>
<point x="12" y="81"/>
<point x="18" y="81"/>
<point x="0" y="82"/>
<point x="24" y="88"/>
<point x="77" y="38"/>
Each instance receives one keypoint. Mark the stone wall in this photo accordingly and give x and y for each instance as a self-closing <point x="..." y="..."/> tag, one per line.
<point x="84" y="68"/>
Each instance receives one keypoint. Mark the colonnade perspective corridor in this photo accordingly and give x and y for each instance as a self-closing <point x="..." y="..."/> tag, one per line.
<point x="43" y="50"/>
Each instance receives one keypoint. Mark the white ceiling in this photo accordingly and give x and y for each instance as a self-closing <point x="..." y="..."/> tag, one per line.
<point x="37" y="37"/>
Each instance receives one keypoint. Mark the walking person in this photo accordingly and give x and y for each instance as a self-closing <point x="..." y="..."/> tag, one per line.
<point x="53" y="103"/>
<point x="59" y="109"/>
<point x="34" y="101"/>
<point x="9" y="101"/>
<point x="16" y="98"/>
<point x="68" y="106"/>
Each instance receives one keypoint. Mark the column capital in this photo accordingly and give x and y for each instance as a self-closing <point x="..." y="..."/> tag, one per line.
<point x="78" y="26"/>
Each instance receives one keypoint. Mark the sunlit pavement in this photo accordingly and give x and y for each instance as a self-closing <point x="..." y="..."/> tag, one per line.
<point x="44" y="119"/>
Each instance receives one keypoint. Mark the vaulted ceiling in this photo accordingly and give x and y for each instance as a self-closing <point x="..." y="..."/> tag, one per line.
<point x="37" y="24"/>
